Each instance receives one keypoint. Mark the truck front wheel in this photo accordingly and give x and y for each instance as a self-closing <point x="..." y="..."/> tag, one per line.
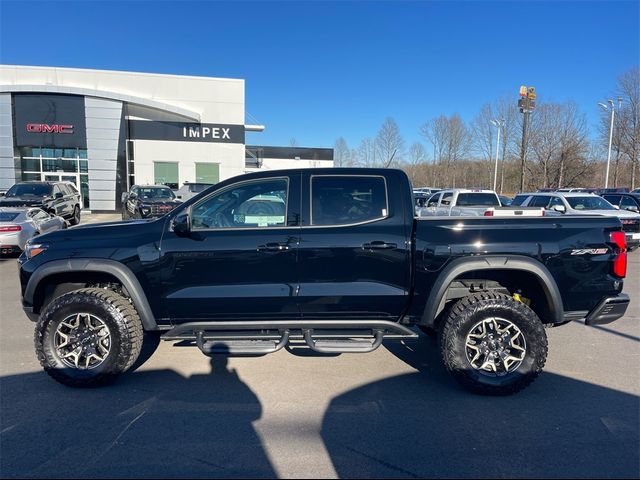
<point x="492" y="344"/>
<point x="87" y="337"/>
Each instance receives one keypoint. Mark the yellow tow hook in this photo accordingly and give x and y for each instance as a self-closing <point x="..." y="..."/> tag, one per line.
<point x="519" y="298"/>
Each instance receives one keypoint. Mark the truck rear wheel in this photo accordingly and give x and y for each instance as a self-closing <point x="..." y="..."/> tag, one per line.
<point x="492" y="344"/>
<point x="87" y="337"/>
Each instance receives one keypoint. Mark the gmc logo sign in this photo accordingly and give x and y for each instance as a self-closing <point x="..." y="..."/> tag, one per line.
<point x="44" y="128"/>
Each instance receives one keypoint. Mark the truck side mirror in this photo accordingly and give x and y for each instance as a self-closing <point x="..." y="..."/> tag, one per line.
<point x="181" y="224"/>
<point x="559" y="208"/>
<point x="633" y="208"/>
<point x="59" y="195"/>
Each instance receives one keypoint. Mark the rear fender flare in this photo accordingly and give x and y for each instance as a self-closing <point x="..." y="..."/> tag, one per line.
<point x="461" y="266"/>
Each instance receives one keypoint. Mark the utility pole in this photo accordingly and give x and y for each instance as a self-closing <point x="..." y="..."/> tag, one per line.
<point x="526" y="104"/>
<point x="498" y="124"/>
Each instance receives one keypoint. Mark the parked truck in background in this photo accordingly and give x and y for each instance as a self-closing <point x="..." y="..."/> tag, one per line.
<point x="331" y="259"/>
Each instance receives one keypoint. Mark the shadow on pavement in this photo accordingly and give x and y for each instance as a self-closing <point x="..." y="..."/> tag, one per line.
<point x="153" y="424"/>
<point x="423" y="425"/>
<point x="159" y="424"/>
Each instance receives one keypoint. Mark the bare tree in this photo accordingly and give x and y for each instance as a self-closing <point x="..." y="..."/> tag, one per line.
<point x="293" y="142"/>
<point x="365" y="154"/>
<point x="483" y="132"/>
<point x="417" y="154"/>
<point x="629" y="90"/>
<point x="558" y="146"/>
<point x="435" y="131"/>
<point x="506" y="109"/>
<point x="389" y="143"/>
<point x="341" y="153"/>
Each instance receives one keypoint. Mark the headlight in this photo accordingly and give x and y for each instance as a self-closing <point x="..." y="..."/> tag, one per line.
<point x="33" y="249"/>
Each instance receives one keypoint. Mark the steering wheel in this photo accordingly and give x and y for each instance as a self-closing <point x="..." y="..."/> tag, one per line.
<point x="221" y="220"/>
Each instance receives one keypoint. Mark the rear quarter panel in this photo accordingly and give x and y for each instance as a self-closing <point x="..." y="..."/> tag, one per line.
<point x="582" y="278"/>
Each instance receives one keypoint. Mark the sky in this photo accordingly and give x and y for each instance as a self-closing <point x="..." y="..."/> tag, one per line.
<point x="316" y="71"/>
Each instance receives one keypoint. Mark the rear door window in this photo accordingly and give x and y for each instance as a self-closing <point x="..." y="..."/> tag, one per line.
<point x="344" y="199"/>
<point x="519" y="200"/>
<point x="539" y="201"/>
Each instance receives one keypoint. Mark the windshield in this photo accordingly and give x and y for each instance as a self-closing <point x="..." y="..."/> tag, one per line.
<point x="589" y="203"/>
<point x="8" y="216"/>
<point x="29" y="190"/>
<point x="477" y="199"/>
<point x="155" y="193"/>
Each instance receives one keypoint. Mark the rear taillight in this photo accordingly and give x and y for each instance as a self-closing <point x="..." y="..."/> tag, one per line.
<point x="10" y="228"/>
<point x="620" y="262"/>
<point x="488" y="213"/>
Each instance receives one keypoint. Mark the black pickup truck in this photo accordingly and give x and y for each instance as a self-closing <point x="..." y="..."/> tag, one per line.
<point x="330" y="258"/>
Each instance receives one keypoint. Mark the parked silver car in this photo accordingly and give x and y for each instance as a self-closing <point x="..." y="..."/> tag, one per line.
<point x="575" y="203"/>
<point x="19" y="225"/>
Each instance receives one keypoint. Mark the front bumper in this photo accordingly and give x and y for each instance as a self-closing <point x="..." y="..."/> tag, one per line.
<point x="608" y="310"/>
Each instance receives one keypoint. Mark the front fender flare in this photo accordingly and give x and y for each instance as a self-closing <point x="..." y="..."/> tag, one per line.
<point x="112" y="267"/>
<point x="493" y="262"/>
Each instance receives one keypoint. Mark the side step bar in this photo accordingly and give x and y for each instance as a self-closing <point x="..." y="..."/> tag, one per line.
<point x="256" y="337"/>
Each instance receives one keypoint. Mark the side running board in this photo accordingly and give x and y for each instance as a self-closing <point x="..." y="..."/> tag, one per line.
<point x="224" y="344"/>
<point x="259" y="338"/>
<point x="345" y="345"/>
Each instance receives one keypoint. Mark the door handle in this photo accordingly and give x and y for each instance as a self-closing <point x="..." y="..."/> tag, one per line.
<point x="273" y="247"/>
<point x="378" y="245"/>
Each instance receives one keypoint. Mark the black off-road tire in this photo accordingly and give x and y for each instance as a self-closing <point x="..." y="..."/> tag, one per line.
<point x="470" y="310"/>
<point x="115" y="311"/>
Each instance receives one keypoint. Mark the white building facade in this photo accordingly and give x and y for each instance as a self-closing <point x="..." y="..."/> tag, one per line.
<point x="107" y="130"/>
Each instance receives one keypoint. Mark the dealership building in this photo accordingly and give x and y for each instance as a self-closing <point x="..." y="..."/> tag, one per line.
<point x="107" y="130"/>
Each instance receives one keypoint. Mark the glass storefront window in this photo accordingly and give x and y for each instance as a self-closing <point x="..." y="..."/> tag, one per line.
<point x="166" y="173"/>
<point x="31" y="177"/>
<point x="48" y="164"/>
<point x="30" y="165"/>
<point x="59" y="165"/>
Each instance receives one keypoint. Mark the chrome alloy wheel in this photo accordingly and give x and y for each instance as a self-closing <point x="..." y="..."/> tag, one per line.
<point x="495" y="347"/>
<point x="82" y="341"/>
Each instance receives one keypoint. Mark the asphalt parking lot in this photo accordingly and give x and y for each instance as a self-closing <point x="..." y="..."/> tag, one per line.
<point x="391" y="413"/>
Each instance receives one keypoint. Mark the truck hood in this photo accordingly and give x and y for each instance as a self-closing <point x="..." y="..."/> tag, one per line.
<point x="108" y="234"/>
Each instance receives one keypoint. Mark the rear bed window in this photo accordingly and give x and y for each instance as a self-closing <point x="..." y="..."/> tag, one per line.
<point x="477" y="200"/>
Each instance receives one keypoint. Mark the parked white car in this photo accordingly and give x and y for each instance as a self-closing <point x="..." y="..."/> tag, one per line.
<point x="574" y="203"/>
<point x="460" y="202"/>
<point x="188" y="190"/>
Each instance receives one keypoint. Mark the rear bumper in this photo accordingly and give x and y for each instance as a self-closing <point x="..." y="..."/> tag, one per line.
<point x="608" y="310"/>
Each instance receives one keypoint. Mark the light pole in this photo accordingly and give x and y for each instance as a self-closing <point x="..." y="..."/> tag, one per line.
<point x="613" y="114"/>
<point x="498" y="124"/>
